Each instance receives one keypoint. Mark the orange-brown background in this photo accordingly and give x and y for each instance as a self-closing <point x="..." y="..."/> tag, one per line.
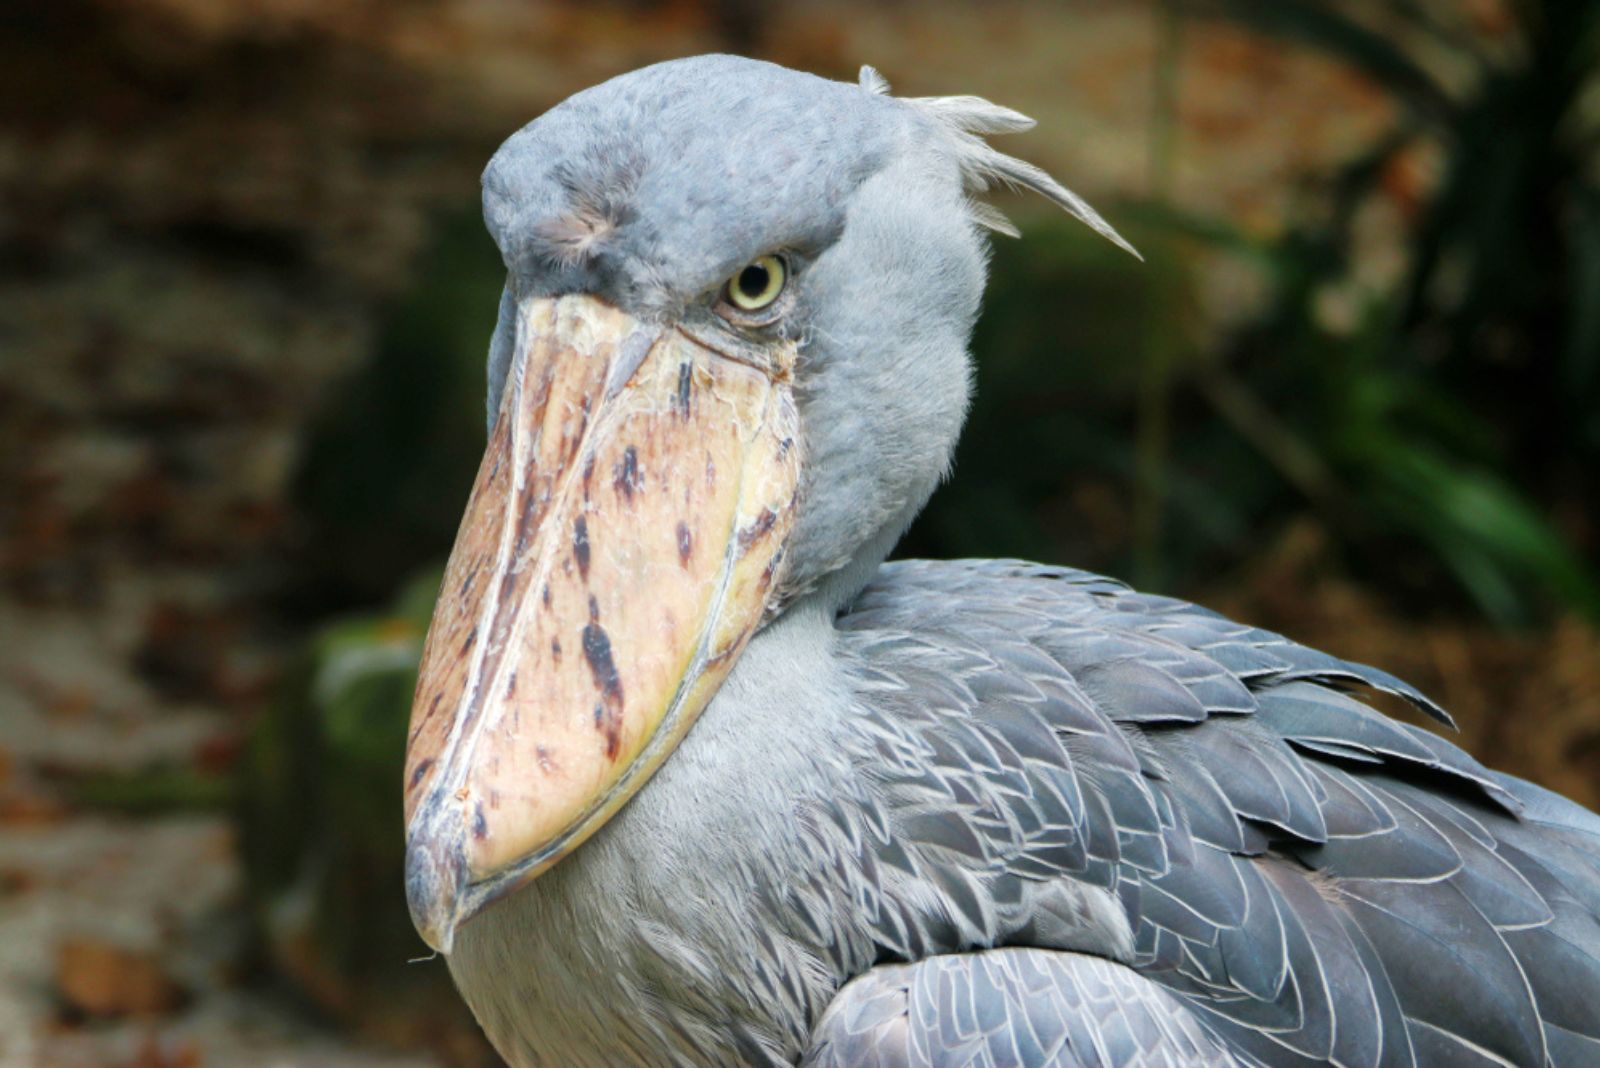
<point x="243" y="304"/>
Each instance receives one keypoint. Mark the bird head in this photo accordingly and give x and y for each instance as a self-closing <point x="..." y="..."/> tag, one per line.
<point x="730" y="366"/>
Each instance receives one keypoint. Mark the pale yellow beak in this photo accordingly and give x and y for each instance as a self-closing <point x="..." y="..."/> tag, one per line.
<point x="620" y="546"/>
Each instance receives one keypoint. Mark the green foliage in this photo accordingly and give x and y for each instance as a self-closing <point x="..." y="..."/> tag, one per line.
<point x="320" y="822"/>
<point x="1460" y="412"/>
<point x="154" y="791"/>
<point x="392" y="457"/>
<point x="1436" y="427"/>
<point x="1492" y="541"/>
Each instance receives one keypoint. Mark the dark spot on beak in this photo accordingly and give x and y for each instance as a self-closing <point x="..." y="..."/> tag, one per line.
<point x="597" y="651"/>
<point x="682" y="399"/>
<point x="526" y="521"/>
<point x="433" y="706"/>
<point x="757" y="530"/>
<point x="608" y="710"/>
<point x="419" y="771"/>
<point x="555" y="650"/>
<point x="608" y="723"/>
<point x="770" y="570"/>
<point x="545" y="596"/>
<point x="580" y="546"/>
<point x="588" y="476"/>
<point x="542" y="755"/>
<point x="511" y="686"/>
<point x="594" y="609"/>
<point x="626" y="476"/>
<point x="480" y="826"/>
<point x="685" y="544"/>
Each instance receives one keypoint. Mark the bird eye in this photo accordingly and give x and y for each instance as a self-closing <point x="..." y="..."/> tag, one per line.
<point x="757" y="285"/>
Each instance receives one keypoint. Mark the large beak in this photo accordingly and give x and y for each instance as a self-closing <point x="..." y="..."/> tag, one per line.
<point x="620" y="546"/>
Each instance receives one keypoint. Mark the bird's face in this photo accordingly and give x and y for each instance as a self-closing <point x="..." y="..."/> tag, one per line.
<point x="729" y="367"/>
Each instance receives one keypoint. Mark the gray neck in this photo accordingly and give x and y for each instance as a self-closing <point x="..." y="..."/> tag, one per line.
<point x="675" y="896"/>
<point x="833" y="591"/>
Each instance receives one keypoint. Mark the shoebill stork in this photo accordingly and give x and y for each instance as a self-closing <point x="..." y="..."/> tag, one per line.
<point x="694" y="777"/>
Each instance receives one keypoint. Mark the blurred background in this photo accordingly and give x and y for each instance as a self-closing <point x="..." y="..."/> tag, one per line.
<point x="245" y="295"/>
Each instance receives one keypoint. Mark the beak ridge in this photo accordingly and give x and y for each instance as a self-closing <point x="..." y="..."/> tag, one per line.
<point x="620" y="545"/>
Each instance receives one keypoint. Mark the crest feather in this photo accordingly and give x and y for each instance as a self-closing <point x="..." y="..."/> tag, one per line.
<point x="968" y="119"/>
<point x="992" y="218"/>
<point x="873" y="82"/>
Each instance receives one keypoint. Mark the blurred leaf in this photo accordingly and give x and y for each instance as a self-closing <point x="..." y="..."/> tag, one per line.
<point x="392" y="456"/>
<point x="156" y="790"/>
<point x="1496" y="544"/>
<point x="1458" y="410"/>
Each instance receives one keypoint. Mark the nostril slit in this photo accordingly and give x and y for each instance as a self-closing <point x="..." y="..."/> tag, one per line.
<point x="630" y="354"/>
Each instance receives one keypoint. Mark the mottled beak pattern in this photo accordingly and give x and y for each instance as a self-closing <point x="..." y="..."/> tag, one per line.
<point x="620" y="546"/>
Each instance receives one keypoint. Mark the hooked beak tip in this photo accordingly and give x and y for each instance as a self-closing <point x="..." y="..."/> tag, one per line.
<point x="432" y="891"/>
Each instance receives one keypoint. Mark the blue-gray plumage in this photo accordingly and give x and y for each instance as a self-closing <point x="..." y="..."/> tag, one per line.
<point x="962" y="813"/>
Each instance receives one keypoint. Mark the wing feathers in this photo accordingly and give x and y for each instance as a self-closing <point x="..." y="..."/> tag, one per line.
<point x="1063" y="763"/>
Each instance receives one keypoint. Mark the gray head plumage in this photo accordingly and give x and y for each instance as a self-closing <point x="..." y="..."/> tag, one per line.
<point x="596" y="148"/>
<point x="651" y="189"/>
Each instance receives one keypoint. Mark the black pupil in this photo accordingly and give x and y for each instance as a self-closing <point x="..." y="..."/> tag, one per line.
<point x="753" y="281"/>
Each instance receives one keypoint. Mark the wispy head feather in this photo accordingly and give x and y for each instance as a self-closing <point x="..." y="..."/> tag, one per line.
<point x="599" y="202"/>
<point x="577" y="236"/>
<point x="967" y="119"/>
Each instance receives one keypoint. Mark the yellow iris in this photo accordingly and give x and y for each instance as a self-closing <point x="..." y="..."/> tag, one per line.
<point x="757" y="284"/>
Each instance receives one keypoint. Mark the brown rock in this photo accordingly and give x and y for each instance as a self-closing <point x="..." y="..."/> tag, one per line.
<point x="29" y="808"/>
<point x="101" y="979"/>
<point x="153" y="1054"/>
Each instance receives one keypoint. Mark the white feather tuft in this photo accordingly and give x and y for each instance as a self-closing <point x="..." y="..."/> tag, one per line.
<point x="967" y="119"/>
<point x="992" y="218"/>
<point x="873" y="82"/>
<point x="974" y="114"/>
